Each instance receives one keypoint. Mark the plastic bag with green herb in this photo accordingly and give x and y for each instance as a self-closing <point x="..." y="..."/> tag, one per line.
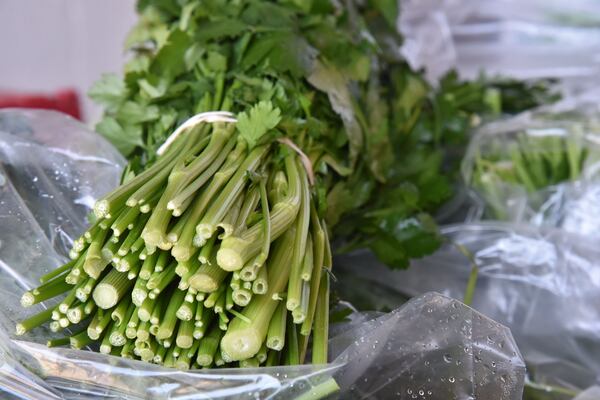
<point x="432" y="347"/>
<point x="541" y="167"/>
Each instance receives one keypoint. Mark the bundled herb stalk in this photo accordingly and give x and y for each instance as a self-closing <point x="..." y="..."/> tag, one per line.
<point x="210" y="254"/>
<point x="215" y="249"/>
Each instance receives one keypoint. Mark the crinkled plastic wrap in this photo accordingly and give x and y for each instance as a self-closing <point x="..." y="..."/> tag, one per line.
<point x="433" y="347"/>
<point x="542" y="283"/>
<point x="541" y="167"/>
<point x="523" y="39"/>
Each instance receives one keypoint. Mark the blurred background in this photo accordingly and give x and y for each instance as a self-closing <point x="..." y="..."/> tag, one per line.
<point x="51" y="51"/>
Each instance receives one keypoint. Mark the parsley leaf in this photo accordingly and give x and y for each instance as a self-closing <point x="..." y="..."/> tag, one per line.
<point x="169" y="61"/>
<point x="125" y="139"/>
<point x="258" y="121"/>
<point x="110" y="91"/>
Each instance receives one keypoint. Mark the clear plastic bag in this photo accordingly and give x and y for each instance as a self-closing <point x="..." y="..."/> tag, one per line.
<point x="592" y="393"/>
<point x="523" y="39"/>
<point x="541" y="167"/>
<point x="542" y="283"/>
<point x="433" y="347"/>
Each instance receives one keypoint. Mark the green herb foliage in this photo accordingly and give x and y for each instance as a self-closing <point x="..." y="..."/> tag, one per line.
<point x="383" y="143"/>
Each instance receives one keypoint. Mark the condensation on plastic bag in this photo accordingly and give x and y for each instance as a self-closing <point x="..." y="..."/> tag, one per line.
<point x="432" y="348"/>
<point x="58" y="169"/>
<point x="523" y="39"/>
<point x="543" y="284"/>
<point x="51" y="170"/>
<point x="448" y="351"/>
<point x="541" y="167"/>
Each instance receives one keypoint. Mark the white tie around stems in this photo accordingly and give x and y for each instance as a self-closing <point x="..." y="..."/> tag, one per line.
<point x="209" y="117"/>
<point x="226" y="116"/>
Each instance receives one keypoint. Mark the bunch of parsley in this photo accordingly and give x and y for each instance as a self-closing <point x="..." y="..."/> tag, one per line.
<point x="326" y="75"/>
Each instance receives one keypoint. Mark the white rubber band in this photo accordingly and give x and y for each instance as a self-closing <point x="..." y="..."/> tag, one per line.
<point x="226" y="116"/>
<point x="205" y="117"/>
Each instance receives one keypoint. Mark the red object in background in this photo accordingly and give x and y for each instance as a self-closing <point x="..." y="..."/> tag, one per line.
<point x="66" y="101"/>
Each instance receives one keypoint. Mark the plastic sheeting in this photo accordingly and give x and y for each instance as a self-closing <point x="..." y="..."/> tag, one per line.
<point x="540" y="167"/>
<point x="524" y="39"/>
<point x="433" y="347"/>
<point x="542" y="283"/>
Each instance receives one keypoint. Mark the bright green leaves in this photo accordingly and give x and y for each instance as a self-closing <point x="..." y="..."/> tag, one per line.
<point x="216" y="62"/>
<point x="125" y="139"/>
<point x="389" y="10"/>
<point x="222" y="28"/>
<point x="121" y="131"/>
<point x="110" y="91"/>
<point x="384" y="143"/>
<point x="349" y="56"/>
<point x="283" y="52"/>
<point x="269" y="15"/>
<point x="187" y="12"/>
<point x="414" y="237"/>
<point x="193" y="54"/>
<point x="256" y="122"/>
<point x="168" y="62"/>
<point x="134" y="112"/>
<point x="292" y="53"/>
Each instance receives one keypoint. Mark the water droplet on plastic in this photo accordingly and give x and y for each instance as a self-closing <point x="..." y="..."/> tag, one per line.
<point x="451" y="379"/>
<point x="448" y="358"/>
<point x="421" y="392"/>
<point x="409" y="391"/>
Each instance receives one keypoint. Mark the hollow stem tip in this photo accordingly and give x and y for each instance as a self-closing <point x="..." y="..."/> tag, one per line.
<point x="241" y="343"/>
<point x="111" y="289"/>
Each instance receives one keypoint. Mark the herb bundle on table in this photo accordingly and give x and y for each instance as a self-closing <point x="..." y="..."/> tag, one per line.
<point x="217" y="250"/>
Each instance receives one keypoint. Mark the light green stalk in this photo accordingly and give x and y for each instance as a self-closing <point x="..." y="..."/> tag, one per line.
<point x="235" y="252"/>
<point x="184" y="249"/>
<point x="243" y="340"/>
<point x="219" y="207"/>
<point x="302" y="225"/>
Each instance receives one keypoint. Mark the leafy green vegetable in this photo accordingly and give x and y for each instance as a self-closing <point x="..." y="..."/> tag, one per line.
<point x="384" y="144"/>
<point x="259" y="120"/>
<point x="125" y="139"/>
<point x="110" y="91"/>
